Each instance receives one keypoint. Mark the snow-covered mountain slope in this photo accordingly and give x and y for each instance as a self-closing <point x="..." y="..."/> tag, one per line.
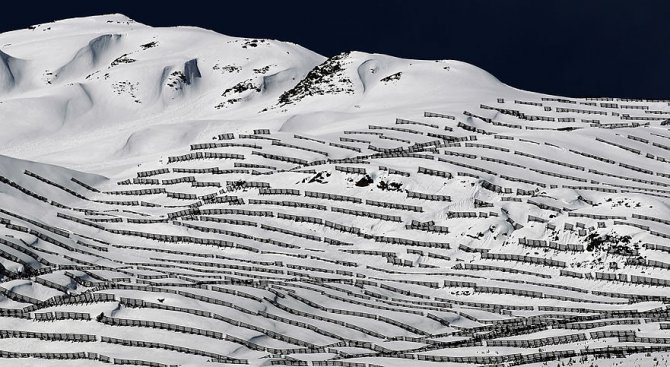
<point x="172" y="196"/>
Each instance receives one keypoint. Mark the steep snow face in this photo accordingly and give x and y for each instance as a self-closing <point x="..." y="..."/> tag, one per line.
<point x="88" y="58"/>
<point x="10" y="72"/>
<point x="243" y="201"/>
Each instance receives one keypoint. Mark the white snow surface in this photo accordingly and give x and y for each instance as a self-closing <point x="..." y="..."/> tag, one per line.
<point x="174" y="196"/>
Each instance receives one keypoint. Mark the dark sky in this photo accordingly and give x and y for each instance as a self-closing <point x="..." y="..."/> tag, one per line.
<point x="577" y="48"/>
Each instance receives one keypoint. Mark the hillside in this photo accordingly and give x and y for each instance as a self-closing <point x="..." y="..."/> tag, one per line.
<point x="173" y="196"/>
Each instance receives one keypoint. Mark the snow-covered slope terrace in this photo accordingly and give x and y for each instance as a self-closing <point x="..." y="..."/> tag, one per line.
<point x="251" y="202"/>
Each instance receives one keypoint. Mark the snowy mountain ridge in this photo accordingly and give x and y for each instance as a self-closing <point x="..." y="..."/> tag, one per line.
<point x="88" y="76"/>
<point x="173" y="196"/>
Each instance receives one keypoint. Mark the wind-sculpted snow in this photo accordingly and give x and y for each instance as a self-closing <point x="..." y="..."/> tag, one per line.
<point x="264" y="205"/>
<point x="89" y="56"/>
<point x="8" y="72"/>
